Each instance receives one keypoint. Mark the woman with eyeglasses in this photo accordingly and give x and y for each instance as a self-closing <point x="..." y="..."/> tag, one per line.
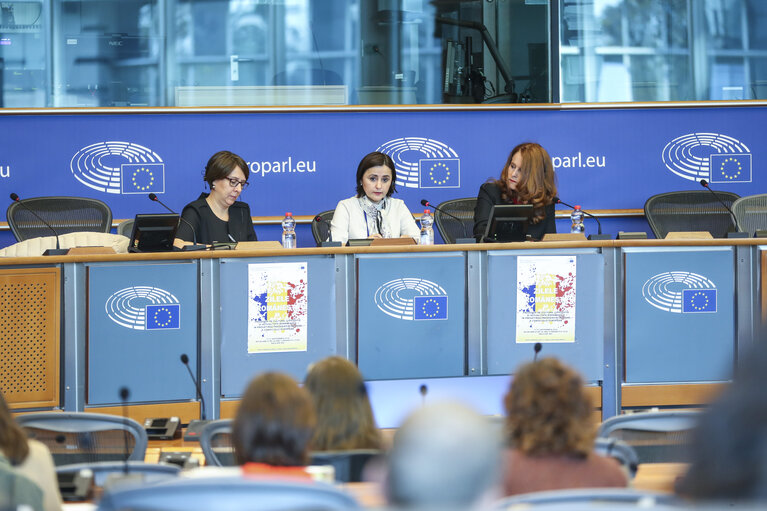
<point x="218" y="217"/>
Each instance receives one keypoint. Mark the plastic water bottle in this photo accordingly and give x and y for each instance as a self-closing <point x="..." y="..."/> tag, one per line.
<point x="288" y="231"/>
<point x="427" y="231"/>
<point x="576" y="220"/>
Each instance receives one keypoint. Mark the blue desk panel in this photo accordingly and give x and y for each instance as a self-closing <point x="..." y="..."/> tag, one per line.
<point x="141" y="318"/>
<point x="504" y="354"/>
<point x="680" y="324"/>
<point x="238" y="367"/>
<point x="411" y="315"/>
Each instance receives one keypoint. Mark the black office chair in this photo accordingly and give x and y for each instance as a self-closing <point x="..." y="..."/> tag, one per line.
<point x="693" y="210"/>
<point x="347" y="465"/>
<point x="451" y="229"/>
<point x="80" y="437"/>
<point x="64" y="214"/>
<point x="751" y="213"/>
<point x="620" y="451"/>
<point x="321" y="229"/>
<point x="657" y="437"/>
<point x="216" y="443"/>
<point x="125" y="228"/>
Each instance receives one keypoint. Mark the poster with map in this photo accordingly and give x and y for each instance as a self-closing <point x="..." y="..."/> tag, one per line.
<point x="545" y="299"/>
<point x="277" y="307"/>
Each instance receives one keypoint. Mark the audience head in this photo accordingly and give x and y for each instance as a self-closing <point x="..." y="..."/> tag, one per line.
<point x="13" y="441"/>
<point x="528" y="177"/>
<point x="275" y="422"/>
<point x="344" y="416"/>
<point x="378" y="166"/>
<point x="729" y="445"/>
<point x="548" y="411"/>
<point x="444" y="456"/>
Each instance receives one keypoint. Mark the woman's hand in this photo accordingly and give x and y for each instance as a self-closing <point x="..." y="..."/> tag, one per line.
<point x="179" y="243"/>
<point x="376" y="236"/>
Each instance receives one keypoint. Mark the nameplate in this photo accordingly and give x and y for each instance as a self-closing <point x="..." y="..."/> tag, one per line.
<point x="564" y="236"/>
<point x="90" y="250"/>
<point x="689" y="235"/>
<point x="383" y="242"/>
<point x="258" y="245"/>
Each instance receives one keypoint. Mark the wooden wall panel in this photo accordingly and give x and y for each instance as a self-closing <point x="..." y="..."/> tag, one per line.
<point x="30" y="308"/>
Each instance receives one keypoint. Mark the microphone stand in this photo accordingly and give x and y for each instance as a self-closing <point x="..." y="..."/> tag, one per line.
<point x="48" y="252"/>
<point x="194" y="245"/>
<point x="738" y="232"/>
<point x="329" y="242"/>
<point x="599" y="235"/>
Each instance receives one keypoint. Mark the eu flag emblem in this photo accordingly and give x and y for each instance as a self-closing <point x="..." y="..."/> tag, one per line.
<point x="439" y="173"/>
<point x="142" y="178"/>
<point x="730" y="168"/>
<point x="430" y="307"/>
<point x="699" y="300"/>
<point x="163" y="317"/>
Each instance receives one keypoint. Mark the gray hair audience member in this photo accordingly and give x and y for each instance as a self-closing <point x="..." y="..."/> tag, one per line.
<point x="444" y="456"/>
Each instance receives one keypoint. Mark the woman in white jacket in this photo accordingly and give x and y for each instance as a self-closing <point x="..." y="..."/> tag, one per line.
<point x="373" y="213"/>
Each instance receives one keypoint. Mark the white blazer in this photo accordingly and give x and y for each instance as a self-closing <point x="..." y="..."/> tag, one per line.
<point x="349" y="221"/>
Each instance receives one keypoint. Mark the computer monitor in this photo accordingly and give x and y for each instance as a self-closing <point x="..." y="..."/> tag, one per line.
<point x="153" y="233"/>
<point x="508" y="222"/>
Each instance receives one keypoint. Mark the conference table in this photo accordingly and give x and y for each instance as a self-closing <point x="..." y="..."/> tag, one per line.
<point x="646" y="322"/>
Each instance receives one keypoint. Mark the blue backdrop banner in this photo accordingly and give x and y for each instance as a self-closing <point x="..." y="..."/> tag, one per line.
<point x="305" y="163"/>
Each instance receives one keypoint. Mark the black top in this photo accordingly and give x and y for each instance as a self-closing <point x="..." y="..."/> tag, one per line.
<point x="490" y="195"/>
<point x="210" y="228"/>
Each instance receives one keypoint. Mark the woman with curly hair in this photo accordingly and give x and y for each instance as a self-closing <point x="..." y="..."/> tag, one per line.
<point x="551" y="433"/>
<point x="344" y="415"/>
<point x="527" y="178"/>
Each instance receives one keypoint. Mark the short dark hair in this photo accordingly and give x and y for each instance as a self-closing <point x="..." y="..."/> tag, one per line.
<point x="221" y="164"/>
<point x="376" y="159"/>
<point x="275" y="422"/>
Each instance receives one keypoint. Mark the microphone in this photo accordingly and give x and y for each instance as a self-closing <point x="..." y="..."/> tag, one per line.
<point x="467" y="238"/>
<point x="329" y="242"/>
<point x="194" y="245"/>
<point x="124" y="395"/>
<point x="557" y="200"/>
<point x="423" y="389"/>
<point x="195" y="426"/>
<point x="537" y="349"/>
<point x="58" y="250"/>
<point x="704" y="184"/>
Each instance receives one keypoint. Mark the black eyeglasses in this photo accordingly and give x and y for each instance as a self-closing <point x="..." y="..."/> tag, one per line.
<point x="233" y="182"/>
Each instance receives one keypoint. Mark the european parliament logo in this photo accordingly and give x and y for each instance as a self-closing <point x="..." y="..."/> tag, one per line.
<point x="119" y="168"/>
<point x="412" y="299"/>
<point x="715" y="157"/>
<point x="144" y="308"/>
<point x="423" y="162"/>
<point x="680" y="292"/>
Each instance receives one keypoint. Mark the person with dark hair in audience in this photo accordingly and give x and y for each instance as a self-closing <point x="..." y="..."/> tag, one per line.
<point x="29" y="458"/>
<point x="273" y="427"/>
<point x="344" y="416"/>
<point x="445" y="456"/>
<point x="526" y="178"/>
<point x="551" y="433"/>
<point x="373" y="213"/>
<point x="218" y="216"/>
<point x="729" y="446"/>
